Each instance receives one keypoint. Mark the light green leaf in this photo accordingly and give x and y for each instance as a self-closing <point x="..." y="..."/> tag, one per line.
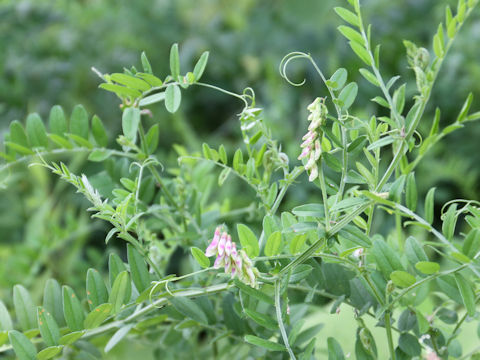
<point x="174" y="62"/>
<point x="429" y="204"/>
<point x="338" y="79"/>
<point x="24" y="308"/>
<point x="130" y="122"/>
<point x="152" y="99"/>
<point x="273" y="244"/>
<point x="449" y="221"/>
<point x="57" y="122"/>
<point x="79" y="122"/>
<point x="121" y="291"/>
<point x="427" y="267"/>
<point x="347" y="15"/>
<point x="466" y="291"/>
<point x="52" y="300"/>
<point x="36" y="133"/>
<point x="70" y="338"/>
<point x="348" y="94"/>
<point x="118" y="336"/>
<point x="200" y="66"/>
<point x="23" y="347"/>
<point x="72" y="310"/>
<point x="145" y="63"/>
<point x="266" y="344"/>
<point x="121" y="91"/>
<point x="99" y="155"/>
<point x="96" y="290"/>
<point x="315" y="210"/>
<point x="471" y="244"/>
<point x="335" y="351"/>
<point x="48" y="327"/>
<point x="402" y="278"/>
<point x="5" y="319"/>
<point x="248" y="240"/>
<point x="97" y="316"/>
<point x="130" y="81"/>
<point x="201" y="258"/>
<point x="17" y="134"/>
<point x="49" y="352"/>
<point x="173" y="97"/>
<point x="98" y="131"/>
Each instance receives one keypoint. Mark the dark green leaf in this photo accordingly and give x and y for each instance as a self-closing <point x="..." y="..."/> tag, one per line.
<point x="262" y="319"/>
<point x="98" y="131"/>
<point x="385" y="257"/>
<point x="138" y="269"/>
<point x="57" y="123"/>
<point x="471" y="244"/>
<point x="335" y="351"/>
<point x="189" y="308"/>
<point x="121" y="291"/>
<point x="52" y="300"/>
<point x="449" y="221"/>
<point x="409" y="344"/>
<point x="414" y="251"/>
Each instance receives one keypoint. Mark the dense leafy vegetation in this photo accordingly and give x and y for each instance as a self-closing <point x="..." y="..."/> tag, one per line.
<point x="207" y="254"/>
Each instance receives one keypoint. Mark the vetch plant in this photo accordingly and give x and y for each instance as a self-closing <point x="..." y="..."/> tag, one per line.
<point x="419" y="284"/>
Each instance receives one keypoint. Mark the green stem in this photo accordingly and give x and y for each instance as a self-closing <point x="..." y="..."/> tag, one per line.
<point x="278" y="310"/>
<point x="388" y="328"/>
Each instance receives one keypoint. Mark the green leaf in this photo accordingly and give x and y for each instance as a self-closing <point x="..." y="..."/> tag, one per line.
<point x="361" y="52"/>
<point x="96" y="290"/>
<point x="17" y="134"/>
<point x="338" y="79"/>
<point x="348" y="94"/>
<point x="24" y="349"/>
<point x="200" y="66"/>
<point x="121" y="91"/>
<point x="24" y="308"/>
<point x="385" y="257"/>
<point x="130" y="81"/>
<point x="138" y="269"/>
<point x="351" y="34"/>
<point x="409" y="344"/>
<point x="173" y="97"/>
<point x="145" y="63"/>
<point x="121" y="291"/>
<point x="384" y="141"/>
<point x="152" y="99"/>
<point x="465" y="108"/>
<point x="471" y="244"/>
<point x="72" y="309"/>
<point x="315" y="210"/>
<point x="60" y="141"/>
<point x="262" y="319"/>
<point x="79" y="122"/>
<point x="5" y="319"/>
<point x="399" y="99"/>
<point x="411" y="192"/>
<point x="266" y="344"/>
<point x="369" y="76"/>
<point x="49" y="352"/>
<point x="347" y="15"/>
<point x="248" y="240"/>
<point x="97" y="316"/>
<point x="80" y="140"/>
<point x="57" y="122"/>
<point x="152" y="138"/>
<point x="174" y="62"/>
<point x="118" y="336"/>
<point x="36" y="133"/>
<point x="438" y="47"/>
<point x="429" y="204"/>
<point x="335" y="351"/>
<point x="449" y="286"/>
<point x="257" y="294"/>
<point x="130" y="122"/>
<point x="449" y="221"/>
<point x="99" y="155"/>
<point x="98" y="131"/>
<point x="273" y="244"/>
<point x="52" y="300"/>
<point x="427" y="267"/>
<point x="48" y="327"/>
<point x="151" y="79"/>
<point x="189" y="308"/>
<point x="414" y="251"/>
<point x="402" y="278"/>
<point x="70" y="338"/>
<point x="115" y="267"/>
<point x="201" y="258"/>
<point x="466" y="291"/>
<point x="300" y="272"/>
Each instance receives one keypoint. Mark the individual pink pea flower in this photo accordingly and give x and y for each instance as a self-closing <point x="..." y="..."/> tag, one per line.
<point x="313" y="173"/>
<point x="221" y="244"/>
<point x="212" y="248"/>
<point x="305" y="152"/>
<point x="219" y="262"/>
<point x="228" y="245"/>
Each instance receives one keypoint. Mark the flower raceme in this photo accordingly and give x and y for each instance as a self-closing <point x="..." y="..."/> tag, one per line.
<point x="311" y="146"/>
<point x="237" y="263"/>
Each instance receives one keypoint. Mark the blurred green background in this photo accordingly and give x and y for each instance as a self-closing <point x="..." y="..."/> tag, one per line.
<point x="47" y="48"/>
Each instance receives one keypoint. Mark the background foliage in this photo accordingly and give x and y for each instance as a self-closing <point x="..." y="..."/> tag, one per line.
<point x="49" y="48"/>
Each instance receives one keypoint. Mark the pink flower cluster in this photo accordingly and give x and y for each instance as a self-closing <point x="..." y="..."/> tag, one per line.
<point x="312" y="147"/>
<point x="237" y="263"/>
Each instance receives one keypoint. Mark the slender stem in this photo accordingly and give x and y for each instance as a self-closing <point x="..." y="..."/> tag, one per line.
<point x="388" y="328"/>
<point x="323" y="187"/>
<point x="278" y="310"/>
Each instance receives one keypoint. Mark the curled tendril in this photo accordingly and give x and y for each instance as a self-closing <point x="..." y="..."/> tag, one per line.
<point x="459" y="201"/>
<point x="249" y="94"/>
<point x="284" y="64"/>
<point x="420" y="139"/>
